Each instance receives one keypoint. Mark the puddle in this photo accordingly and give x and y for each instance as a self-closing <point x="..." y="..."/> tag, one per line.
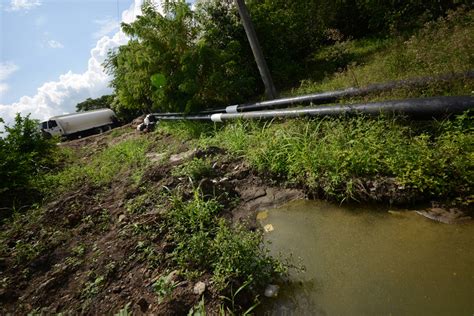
<point x="369" y="262"/>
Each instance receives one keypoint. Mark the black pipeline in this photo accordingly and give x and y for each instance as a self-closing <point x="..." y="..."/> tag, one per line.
<point x="328" y="97"/>
<point x="425" y="108"/>
<point x="324" y="97"/>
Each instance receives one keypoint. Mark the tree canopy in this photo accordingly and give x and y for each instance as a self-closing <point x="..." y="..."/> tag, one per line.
<point x="189" y="60"/>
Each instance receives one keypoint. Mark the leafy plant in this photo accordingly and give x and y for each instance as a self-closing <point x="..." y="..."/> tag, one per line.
<point x="163" y="288"/>
<point x="25" y="156"/>
<point x="205" y="243"/>
<point x="232" y="300"/>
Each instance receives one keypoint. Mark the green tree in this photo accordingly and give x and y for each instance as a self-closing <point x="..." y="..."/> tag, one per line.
<point x="170" y="65"/>
<point x="104" y="101"/>
<point x="24" y="155"/>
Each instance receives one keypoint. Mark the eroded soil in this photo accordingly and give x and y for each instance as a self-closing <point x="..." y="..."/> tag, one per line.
<point x="86" y="252"/>
<point x="89" y="251"/>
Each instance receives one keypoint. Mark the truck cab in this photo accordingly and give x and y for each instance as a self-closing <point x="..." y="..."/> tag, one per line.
<point x="51" y="128"/>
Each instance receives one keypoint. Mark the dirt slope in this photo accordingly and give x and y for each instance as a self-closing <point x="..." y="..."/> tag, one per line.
<point x="86" y="252"/>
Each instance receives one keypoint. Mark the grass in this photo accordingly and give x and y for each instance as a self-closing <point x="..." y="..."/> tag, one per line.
<point x="196" y="169"/>
<point x="330" y="155"/>
<point x="112" y="163"/>
<point x="206" y="243"/>
<point x="441" y="47"/>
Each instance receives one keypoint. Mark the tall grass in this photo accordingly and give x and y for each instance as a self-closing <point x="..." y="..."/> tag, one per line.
<point x="330" y="154"/>
<point x="440" y="47"/>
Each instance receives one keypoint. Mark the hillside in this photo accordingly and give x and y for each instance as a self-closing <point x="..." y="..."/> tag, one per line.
<point x="165" y="222"/>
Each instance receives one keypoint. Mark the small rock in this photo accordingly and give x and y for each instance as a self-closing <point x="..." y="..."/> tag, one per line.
<point x="199" y="288"/>
<point x="271" y="290"/>
<point x="121" y="218"/>
<point x="182" y="156"/>
<point x="155" y="157"/>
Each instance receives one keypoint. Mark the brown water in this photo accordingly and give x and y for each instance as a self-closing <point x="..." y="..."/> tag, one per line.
<point x="370" y="262"/>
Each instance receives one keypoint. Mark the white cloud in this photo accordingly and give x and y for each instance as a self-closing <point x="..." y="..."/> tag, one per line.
<point x="107" y="26"/>
<point x="61" y="96"/>
<point x="6" y="70"/>
<point x="55" y="44"/>
<point x="3" y="88"/>
<point x="17" y="5"/>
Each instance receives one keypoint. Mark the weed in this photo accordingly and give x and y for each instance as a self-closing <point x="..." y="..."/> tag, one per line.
<point x="195" y="169"/>
<point x="143" y="202"/>
<point x="148" y="254"/>
<point x="27" y="251"/>
<point x="205" y="243"/>
<point x="186" y="130"/>
<point x="164" y="288"/>
<point x="329" y="154"/>
<point x="199" y="309"/>
<point x="92" y="287"/>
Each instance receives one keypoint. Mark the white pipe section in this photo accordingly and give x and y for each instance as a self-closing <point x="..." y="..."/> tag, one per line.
<point x="217" y="117"/>
<point x="231" y="109"/>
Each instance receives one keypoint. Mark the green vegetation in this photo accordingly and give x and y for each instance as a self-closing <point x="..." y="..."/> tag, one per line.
<point x="89" y="104"/>
<point x="334" y="155"/>
<point x="25" y="156"/>
<point x="163" y="288"/>
<point x="439" y="48"/>
<point x="189" y="60"/>
<point x="125" y="158"/>
<point x="195" y="169"/>
<point x="205" y="243"/>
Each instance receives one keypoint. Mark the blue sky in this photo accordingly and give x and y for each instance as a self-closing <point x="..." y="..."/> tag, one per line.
<point x="51" y="52"/>
<point x="49" y="39"/>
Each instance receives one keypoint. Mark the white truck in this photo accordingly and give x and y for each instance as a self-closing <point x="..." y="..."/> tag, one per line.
<point x="79" y="124"/>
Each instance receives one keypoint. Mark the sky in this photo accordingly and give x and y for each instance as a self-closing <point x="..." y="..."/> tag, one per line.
<point x="51" y="52"/>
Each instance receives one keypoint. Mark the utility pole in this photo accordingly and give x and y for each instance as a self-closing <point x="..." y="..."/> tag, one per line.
<point x="256" y="49"/>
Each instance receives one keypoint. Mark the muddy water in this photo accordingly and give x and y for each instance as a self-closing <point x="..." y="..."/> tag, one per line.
<point x="370" y="262"/>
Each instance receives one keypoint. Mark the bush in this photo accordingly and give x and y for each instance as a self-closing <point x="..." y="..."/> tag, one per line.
<point x="206" y="244"/>
<point x="25" y="156"/>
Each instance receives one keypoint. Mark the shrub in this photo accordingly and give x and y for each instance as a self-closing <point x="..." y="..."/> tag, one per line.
<point x="25" y="156"/>
<point x="206" y="244"/>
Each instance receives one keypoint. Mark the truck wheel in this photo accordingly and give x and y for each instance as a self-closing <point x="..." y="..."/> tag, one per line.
<point x="47" y="135"/>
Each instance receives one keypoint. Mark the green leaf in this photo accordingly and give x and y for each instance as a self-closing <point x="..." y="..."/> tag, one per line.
<point x="158" y="80"/>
